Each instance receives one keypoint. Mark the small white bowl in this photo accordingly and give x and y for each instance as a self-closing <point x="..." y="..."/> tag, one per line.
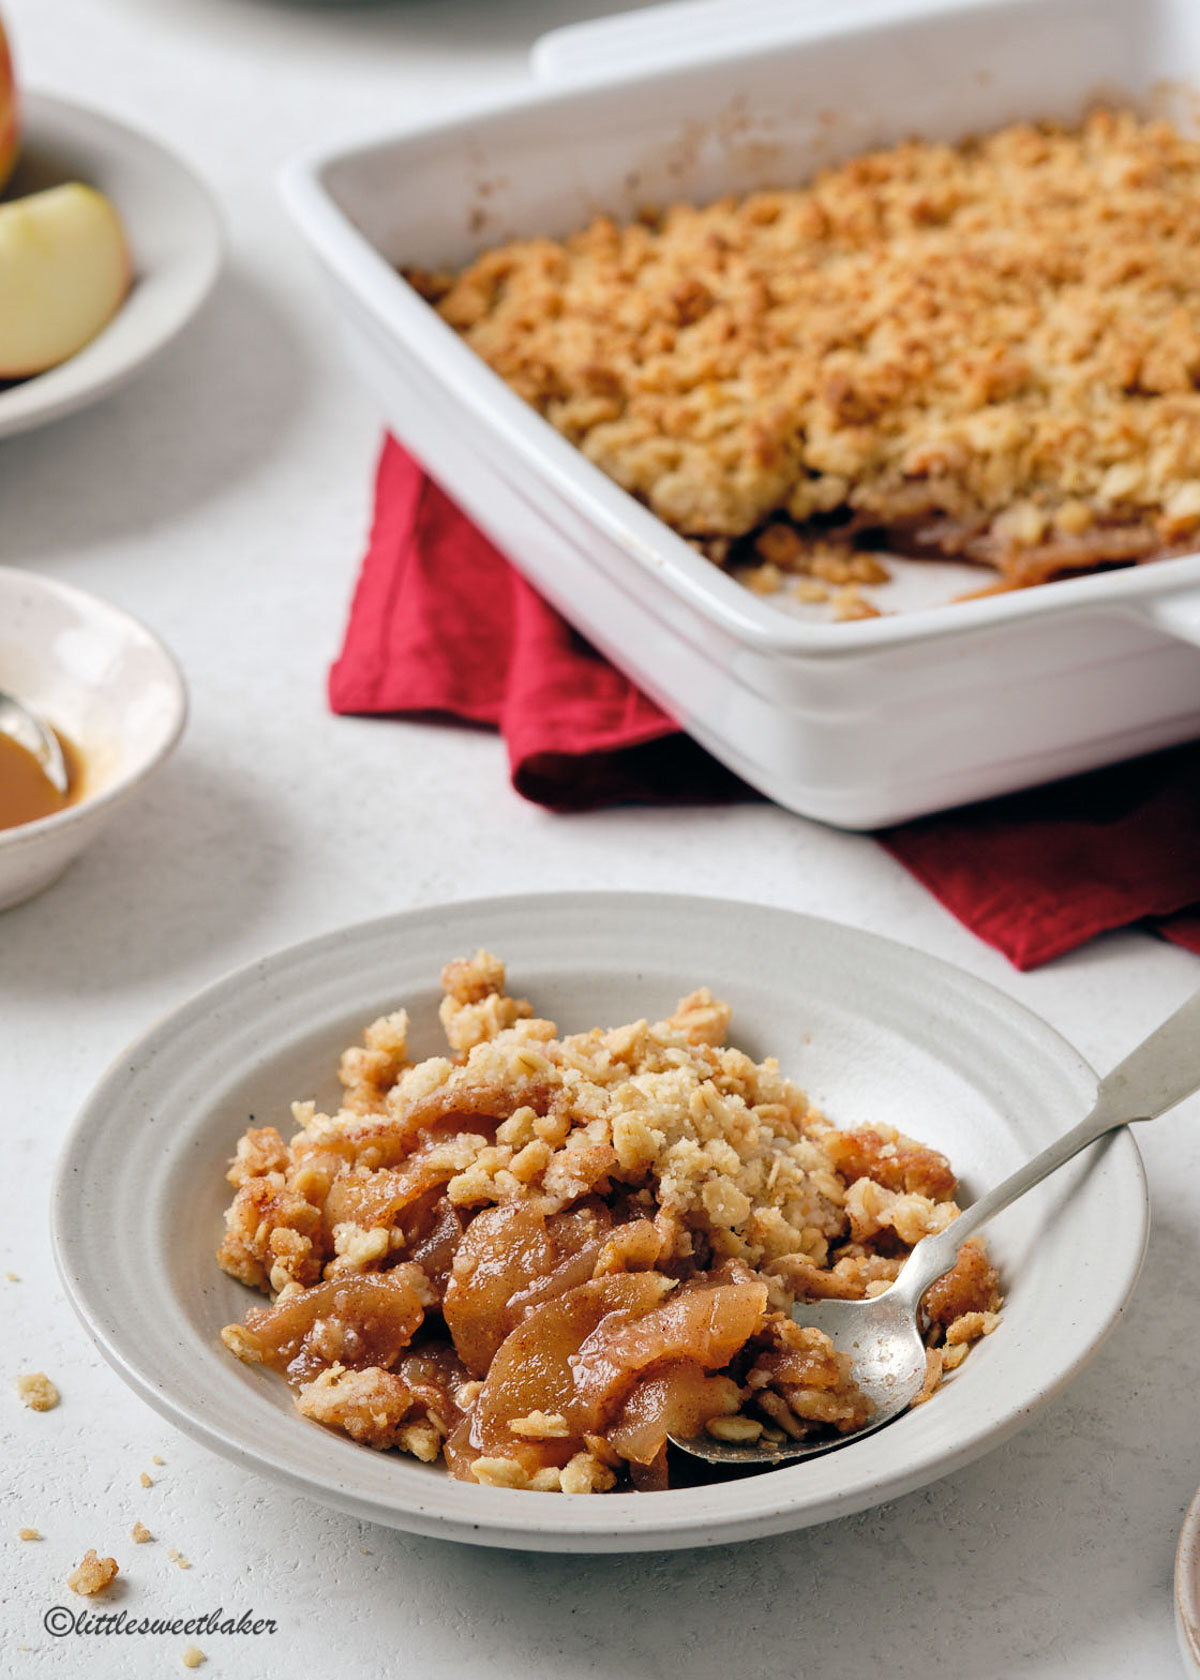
<point x="110" y="686"/>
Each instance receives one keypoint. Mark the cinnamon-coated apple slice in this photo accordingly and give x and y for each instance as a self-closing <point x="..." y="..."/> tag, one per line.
<point x="64" y="270"/>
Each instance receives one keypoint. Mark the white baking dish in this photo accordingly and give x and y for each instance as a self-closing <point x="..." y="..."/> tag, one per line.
<point x="859" y="724"/>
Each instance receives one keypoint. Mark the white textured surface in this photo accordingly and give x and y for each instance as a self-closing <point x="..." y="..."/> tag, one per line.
<point x="223" y="497"/>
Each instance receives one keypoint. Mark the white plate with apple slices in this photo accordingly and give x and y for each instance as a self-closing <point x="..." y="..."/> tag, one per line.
<point x="172" y="239"/>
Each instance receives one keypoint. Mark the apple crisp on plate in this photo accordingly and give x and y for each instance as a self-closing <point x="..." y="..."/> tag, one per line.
<point x="537" y="1256"/>
<point x="986" y="352"/>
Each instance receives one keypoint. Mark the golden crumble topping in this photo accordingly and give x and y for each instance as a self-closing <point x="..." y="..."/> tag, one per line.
<point x="37" y="1391"/>
<point x="989" y="351"/>
<point x="537" y="1257"/>
<point x="93" y="1574"/>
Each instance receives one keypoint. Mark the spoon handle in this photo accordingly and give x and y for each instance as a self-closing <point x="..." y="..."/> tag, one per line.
<point x="1162" y="1071"/>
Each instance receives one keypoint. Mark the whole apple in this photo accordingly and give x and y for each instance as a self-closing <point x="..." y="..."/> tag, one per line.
<point x="10" y="133"/>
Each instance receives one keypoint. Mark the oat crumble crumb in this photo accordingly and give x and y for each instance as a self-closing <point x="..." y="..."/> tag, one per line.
<point x="739" y="1429"/>
<point x="849" y="603"/>
<point x="969" y="1326"/>
<point x="586" y="1474"/>
<point x="540" y="1426"/>
<point x="500" y="1472"/>
<point x="28" y="1534"/>
<point x="140" y="1533"/>
<point x="37" y="1391"/>
<point x="193" y="1657"/>
<point x="93" y="1574"/>
<point x="145" y="1480"/>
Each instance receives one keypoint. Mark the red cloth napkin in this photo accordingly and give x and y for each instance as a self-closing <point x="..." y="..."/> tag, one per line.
<point x="442" y="625"/>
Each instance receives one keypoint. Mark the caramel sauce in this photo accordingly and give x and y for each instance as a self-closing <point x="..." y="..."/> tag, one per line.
<point x="26" y="792"/>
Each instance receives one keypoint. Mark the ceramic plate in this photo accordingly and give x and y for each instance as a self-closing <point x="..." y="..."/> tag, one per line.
<point x="871" y="1029"/>
<point x="1187" y="1589"/>
<point x="173" y="233"/>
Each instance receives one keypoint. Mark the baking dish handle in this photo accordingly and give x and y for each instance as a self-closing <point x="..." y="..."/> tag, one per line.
<point x="1178" y="614"/>
<point x="686" y="29"/>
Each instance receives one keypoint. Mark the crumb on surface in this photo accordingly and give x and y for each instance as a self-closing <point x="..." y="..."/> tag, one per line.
<point x="28" y="1534"/>
<point x="37" y="1391"/>
<point x="139" y="1533"/>
<point x="193" y="1657"/>
<point x="145" y="1480"/>
<point x="155" y="1458"/>
<point x="93" y="1574"/>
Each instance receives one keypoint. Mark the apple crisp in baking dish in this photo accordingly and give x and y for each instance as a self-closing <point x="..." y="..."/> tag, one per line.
<point x="537" y="1256"/>
<point x="986" y="352"/>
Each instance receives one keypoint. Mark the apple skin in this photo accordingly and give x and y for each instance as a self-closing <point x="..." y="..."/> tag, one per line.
<point x="64" y="271"/>
<point x="10" y="127"/>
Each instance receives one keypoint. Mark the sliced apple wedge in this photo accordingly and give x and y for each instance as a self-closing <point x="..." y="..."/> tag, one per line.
<point x="64" y="269"/>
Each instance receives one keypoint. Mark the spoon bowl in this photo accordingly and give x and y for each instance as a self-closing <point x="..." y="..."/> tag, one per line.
<point x="23" y="725"/>
<point x="882" y="1338"/>
<point x="882" y="1335"/>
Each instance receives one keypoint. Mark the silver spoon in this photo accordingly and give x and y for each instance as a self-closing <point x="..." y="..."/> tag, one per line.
<point x="883" y="1335"/>
<point x="28" y="731"/>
